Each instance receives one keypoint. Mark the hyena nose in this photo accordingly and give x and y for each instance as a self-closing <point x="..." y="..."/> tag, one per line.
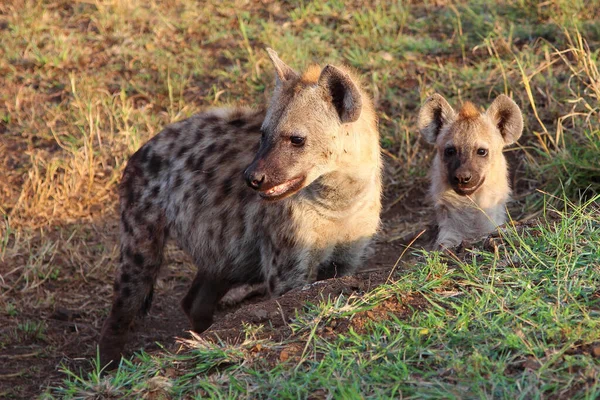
<point x="463" y="178"/>
<point x="254" y="180"/>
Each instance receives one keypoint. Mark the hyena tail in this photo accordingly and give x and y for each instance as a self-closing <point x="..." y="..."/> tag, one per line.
<point x="143" y="237"/>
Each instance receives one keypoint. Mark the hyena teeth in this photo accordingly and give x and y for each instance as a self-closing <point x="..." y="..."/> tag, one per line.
<point x="283" y="188"/>
<point x="469" y="177"/>
<point x="205" y="182"/>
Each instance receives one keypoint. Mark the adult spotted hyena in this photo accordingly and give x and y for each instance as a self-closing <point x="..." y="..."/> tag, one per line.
<point x="283" y="196"/>
<point x="469" y="176"/>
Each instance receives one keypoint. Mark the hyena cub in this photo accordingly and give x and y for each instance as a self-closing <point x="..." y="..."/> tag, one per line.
<point x="469" y="177"/>
<point x="283" y="196"/>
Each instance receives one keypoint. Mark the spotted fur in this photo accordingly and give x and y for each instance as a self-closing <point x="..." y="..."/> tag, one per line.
<point x="190" y="183"/>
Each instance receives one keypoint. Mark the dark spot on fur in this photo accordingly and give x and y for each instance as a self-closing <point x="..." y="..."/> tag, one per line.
<point x="126" y="226"/>
<point x="227" y="186"/>
<point x="140" y="216"/>
<point x="128" y="253"/>
<point x="272" y="283"/>
<point x="200" y="134"/>
<point x="155" y="190"/>
<point x="125" y="277"/>
<point x="155" y="164"/>
<point x="210" y="233"/>
<point x="189" y="162"/>
<point x="178" y="181"/>
<point x="211" y="148"/>
<point x="126" y="291"/>
<point x="228" y="156"/>
<point x="211" y="119"/>
<point x="171" y="132"/>
<point x="238" y="122"/>
<point x="171" y="146"/>
<point x="119" y="303"/>
<point x="144" y="154"/>
<point x="222" y="146"/>
<point x="182" y="151"/>
<point x="199" y="164"/>
<point x="116" y="286"/>
<point x="209" y="176"/>
<point x="138" y="259"/>
<point x="150" y="230"/>
<point x="128" y="192"/>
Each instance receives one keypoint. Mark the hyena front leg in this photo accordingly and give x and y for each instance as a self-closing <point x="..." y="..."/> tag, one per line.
<point x="141" y="257"/>
<point x="201" y="300"/>
<point x="346" y="259"/>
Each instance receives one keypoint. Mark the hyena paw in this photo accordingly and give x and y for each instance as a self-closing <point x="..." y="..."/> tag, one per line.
<point x="240" y="293"/>
<point x="111" y="349"/>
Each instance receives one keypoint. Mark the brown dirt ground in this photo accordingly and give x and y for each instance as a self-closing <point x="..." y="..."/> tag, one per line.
<point x="71" y="310"/>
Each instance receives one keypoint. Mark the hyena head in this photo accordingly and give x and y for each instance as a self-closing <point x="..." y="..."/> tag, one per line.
<point x="469" y="143"/>
<point x="302" y="128"/>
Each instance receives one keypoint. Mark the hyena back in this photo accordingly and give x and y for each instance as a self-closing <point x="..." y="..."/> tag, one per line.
<point x="283" y="196"/>
<point x="469" y="177"/>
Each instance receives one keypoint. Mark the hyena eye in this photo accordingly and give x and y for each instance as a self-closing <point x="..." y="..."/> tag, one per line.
<point x="482" y="152"/>
<point x="297" y="141"/>
<point x="450" y="151"/>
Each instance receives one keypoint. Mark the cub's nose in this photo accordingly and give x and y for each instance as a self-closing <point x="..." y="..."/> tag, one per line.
<point x="253" y="179"/>
<point x="462" y="178"/>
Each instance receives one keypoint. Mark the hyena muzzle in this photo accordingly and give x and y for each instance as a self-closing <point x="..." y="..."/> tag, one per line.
<point x="283" y="196"/>
<point x="469" y="177"/>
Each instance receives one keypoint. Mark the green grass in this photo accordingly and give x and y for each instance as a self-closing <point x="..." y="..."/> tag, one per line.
<point x="520" y="321"/>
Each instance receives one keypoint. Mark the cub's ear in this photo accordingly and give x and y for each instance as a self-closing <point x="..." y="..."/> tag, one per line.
<point x="507" y="117"/>
<point x="283" y="72"/>
<point x="343" y="92"/>
<point x="434" y="114"/>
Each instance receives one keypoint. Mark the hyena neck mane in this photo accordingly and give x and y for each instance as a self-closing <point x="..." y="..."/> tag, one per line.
<point x="341" y="193"/>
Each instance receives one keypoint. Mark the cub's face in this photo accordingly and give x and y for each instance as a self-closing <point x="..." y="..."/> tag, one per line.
<point x="469" y="142"/>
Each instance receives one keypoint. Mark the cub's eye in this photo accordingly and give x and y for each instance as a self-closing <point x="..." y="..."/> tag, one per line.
<point x="482" y="152"/>
<point x="450" y="151"/>
<point x="297" y="140"/>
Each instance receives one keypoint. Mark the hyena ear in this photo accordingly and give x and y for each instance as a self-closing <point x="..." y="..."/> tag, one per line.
<point x="506" y="115"/>
<point x="283" y="72"/>
<point x="345" y="96"/>
<point x="434" y="114"/>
